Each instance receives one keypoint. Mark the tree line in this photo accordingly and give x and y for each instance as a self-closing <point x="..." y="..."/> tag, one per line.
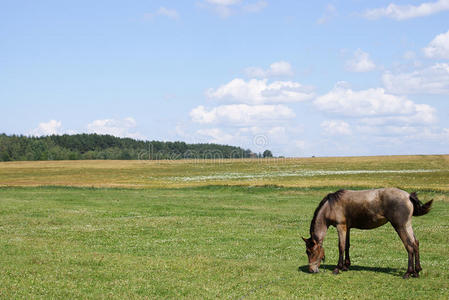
<point x="96" y="146"/>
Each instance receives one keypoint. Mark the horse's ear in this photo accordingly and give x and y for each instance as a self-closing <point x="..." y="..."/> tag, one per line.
<point x="310" y="242"/>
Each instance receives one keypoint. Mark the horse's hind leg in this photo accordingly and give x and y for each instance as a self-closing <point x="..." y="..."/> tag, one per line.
<point x="408" y="239"/>
<point x="418" y="267"/>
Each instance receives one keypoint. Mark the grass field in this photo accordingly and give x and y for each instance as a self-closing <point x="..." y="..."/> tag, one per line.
<point x="226" y="229"/>
<point x="413" y="172"/>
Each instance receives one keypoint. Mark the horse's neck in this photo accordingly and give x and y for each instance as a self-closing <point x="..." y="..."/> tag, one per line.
<point x="320" y="227"/>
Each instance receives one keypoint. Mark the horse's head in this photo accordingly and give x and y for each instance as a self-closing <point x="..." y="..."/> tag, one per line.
<point x="315" y="253"/>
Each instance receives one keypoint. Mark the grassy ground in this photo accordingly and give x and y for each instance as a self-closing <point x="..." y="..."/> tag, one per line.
<point x="413" y="172"/>
<point x="207" y="241"/>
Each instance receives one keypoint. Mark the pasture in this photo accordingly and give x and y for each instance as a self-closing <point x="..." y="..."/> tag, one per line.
<point x="208" y="229"/>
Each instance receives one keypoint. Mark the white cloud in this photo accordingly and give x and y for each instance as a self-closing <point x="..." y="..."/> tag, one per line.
<point x="259" y="91"/>
<point x="216" y="135"/>
<point x="165" y="12"/>
<point x="430" y="80"/>
<point x="407" y="133"/>
<point x="445" y="135"/>
<point x="438" y="47"/>
<point x="329" y="12"/>
<point x="371" y="102"/>
<point x="280" y="68"/>
<point x="361" y="62"/>
<point x="119" y="128"/>
<point x="422" y="114"/>
<point x="335" y="127"/>
<point x="241" y="114"/>
<point x="257" y="138"/>
<point x="374" y="106"/>
<point x="47" y="128"/>
<point x="440" y="135"/>
<point x="403" y="12"/>
<point x="386" y="131"/>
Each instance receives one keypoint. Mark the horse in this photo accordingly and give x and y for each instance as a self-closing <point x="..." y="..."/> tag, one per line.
<point x="365" y="209"/>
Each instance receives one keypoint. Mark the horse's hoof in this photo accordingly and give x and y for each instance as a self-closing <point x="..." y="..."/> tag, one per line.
<point x="415" y="274"/>
<point x="345" y="268"/>
<point x="406" y="275"/>
<point x="336" y="271"/>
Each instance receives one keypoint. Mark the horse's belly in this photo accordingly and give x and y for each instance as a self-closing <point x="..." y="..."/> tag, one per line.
<point x="368" y="222"/>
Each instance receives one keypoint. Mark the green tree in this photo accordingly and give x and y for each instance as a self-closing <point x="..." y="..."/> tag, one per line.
<point x="267" y="153"/>
<point x="94" y="146"/>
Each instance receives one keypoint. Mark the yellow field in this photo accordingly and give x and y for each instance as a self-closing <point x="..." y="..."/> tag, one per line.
<point x="409" y="172"/>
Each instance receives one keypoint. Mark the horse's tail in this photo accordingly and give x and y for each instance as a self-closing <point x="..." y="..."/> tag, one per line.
<point x="419" y="209"/>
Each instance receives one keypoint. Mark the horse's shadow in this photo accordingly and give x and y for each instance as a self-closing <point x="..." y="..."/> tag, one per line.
<point x="389" y="271"/>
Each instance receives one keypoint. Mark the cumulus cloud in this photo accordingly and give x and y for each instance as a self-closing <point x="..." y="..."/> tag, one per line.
<point x="375" y="106"/>
<point x="407" y="133"/>
<point x="403" y="12"/>
<point x="119" y="128"/>
<point x="438" y="47"/>
<point x="256" y="138"/>
<point x="47" y="128"/>
<point x="361" y="62"/>
<point x="335" y="127"/>
<point x="241" y="114"/>
<point x="276" y="69"/>
<point x="259" y="92"/>
<point x="387" y="131"/>
<point x="371" y="102"/>
<point x="429" y="80"/>
<point x="217" y="135"/>
<point x="421" y="114"/>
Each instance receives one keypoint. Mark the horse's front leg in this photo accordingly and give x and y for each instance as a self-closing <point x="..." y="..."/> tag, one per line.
<point x="347" y="259"/>
<point x="341" y="229"/>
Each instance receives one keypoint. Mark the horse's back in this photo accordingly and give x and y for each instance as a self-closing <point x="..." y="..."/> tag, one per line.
<point x="366" y="209"/>
<point x="378" y="197"/>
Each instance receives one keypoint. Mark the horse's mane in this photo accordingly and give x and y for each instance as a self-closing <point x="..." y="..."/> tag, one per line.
<point x="331" y="198"/>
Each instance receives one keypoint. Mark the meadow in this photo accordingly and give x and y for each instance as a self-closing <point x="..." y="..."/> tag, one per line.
<point x="209" y="229"/>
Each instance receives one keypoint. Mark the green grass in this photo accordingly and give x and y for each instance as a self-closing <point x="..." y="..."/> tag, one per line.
<point x="202" y="242"/>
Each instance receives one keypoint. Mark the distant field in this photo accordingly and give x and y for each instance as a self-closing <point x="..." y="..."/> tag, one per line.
<point x="209" y="229"/>
<point x="414" y="172"/>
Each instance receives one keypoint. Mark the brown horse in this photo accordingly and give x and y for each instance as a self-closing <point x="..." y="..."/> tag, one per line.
<point x="366" y="209"/>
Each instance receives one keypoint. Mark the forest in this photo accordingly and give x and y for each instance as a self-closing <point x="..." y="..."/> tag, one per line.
<point x="95" y="146"/>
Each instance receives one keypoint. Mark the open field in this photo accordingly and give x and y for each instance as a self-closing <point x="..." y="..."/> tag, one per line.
<point x="412" y="172"/>
<point x="205" y="230"/>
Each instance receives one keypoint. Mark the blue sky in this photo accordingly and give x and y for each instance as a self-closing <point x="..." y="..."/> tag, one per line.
<point x="298" y="77"/>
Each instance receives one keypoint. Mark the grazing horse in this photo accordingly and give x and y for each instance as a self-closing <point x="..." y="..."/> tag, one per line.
<point x="365" y="209"/>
